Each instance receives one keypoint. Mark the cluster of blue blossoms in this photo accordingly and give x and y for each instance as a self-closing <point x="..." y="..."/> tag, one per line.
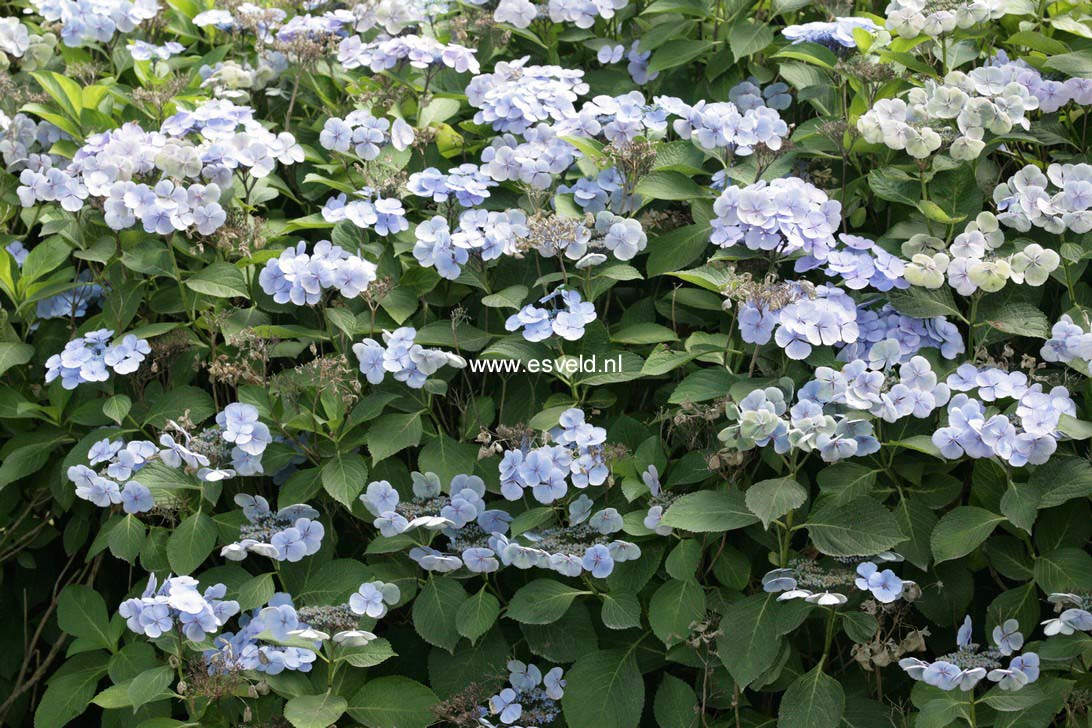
<point x="408" y="361"/>
<point x="567" y="315"/>
<point x="301" y="278"/>
<point x="969" y="664"/>
<point x="84" y="22"/>
<point x="531" y="698"/>
<point x="239" y="437"/>
<point x="385" y="53"/>
<point x="289" y="534"/>
<point x="817" y="583"/>
<point x="178" y="604"/>
<point x="364" y="134"/>
<point x="90" y="358"/>
<point x="1029" y="435"/>
<point x="516" y="96"/>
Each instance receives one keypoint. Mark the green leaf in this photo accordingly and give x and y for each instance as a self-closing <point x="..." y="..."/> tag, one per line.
<point x="748" y="37"/>
<point x="1062" y="479"/>
<point x="81" y="612"/>
<point x="117" y="407"/>
<point x="621" y="610"/>
<point x="670" y="55"/>
<point x="677" y="249"/>
<point x="255" y="592"/>
<point x="511" y="297"/>
<point x="673" y="608"/>
<point x="669" y="186"/>
<point x="435" y="610"/>
<point x="315" y="711"/>
<point x="1077" y="429"/>
<point x="675" y="704"/>
<point x="604" y="690"/>
<point x="861" y="527"/>
<point x="924" y="303"/>
<point x="1078" y="63"/>
<point x="150" y="685"/>
<point x="220" y="280"/>
<point x="127" y="538"/>
<point x="374" y="653"/>
<point x="961" y="530"/>
<point x="13" y="354"/>
<point x="935" y="212"/>
<point x="393" y="702"/>
<point x="647" y="333"/>
<point x="813" y="700"/>
<point x="750" y="631"/>
<point x="477" y="614"/>
<point x="542" y="601"/>
<point x="391" y="434"/>
<point x="67" y="697"/>
<point x="343" y="477"/>
<point x="1021" y="319"/>
<point x="710" y="511"/>
<point x="771" y="499"/>
<point x="190" y="543"/>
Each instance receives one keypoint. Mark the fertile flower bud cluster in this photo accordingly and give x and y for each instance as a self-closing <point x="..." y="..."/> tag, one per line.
<point x="966" y="667"/>
<point x="407" y="361"/>
<point x="1057" y="201"/>
<point x="516" y="96"/>
<point x="566" y="316"/>
<point x="178" y="604"/>
<point x="419" y="51"/>
<point x="1028" y="436"/>
<point x="912" y="18"/>
<point x="962" y="109"/>
<point x="816" y="583"/>
<point x="90" y="358"/>
<point x="301" y="278"/>
<point x="531" y="698"/>
<point x="288" y="534"/>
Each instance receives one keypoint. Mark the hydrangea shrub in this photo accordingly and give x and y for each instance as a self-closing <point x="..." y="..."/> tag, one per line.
<point x="584" y="363"/>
